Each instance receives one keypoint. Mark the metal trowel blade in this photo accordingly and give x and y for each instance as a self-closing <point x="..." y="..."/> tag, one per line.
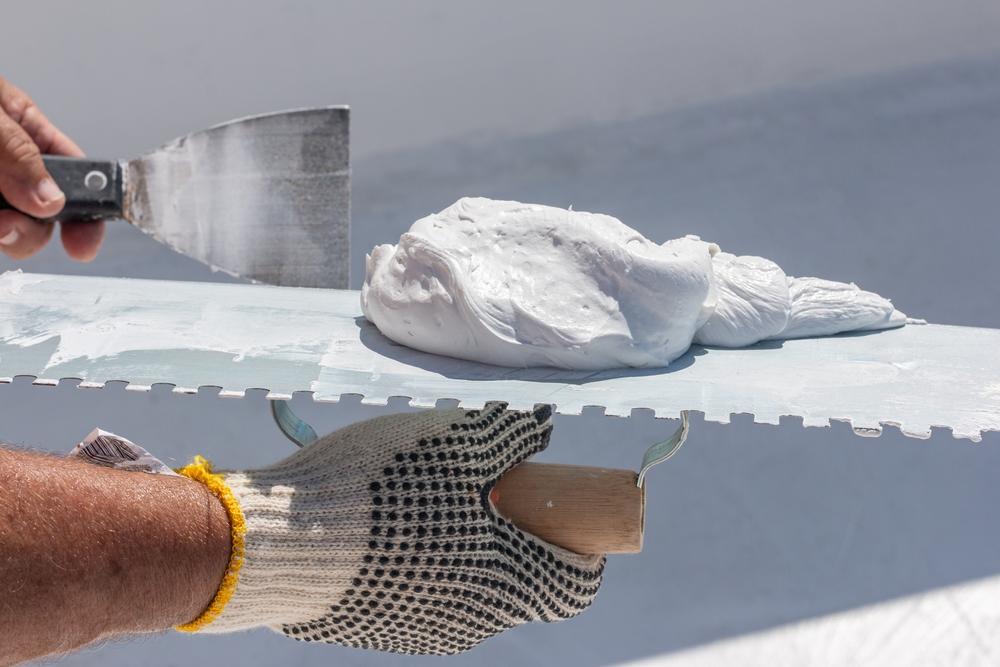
<point x="265" y="198"/>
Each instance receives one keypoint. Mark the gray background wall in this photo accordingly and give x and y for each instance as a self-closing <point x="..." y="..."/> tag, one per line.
<point x="852" y="140"/>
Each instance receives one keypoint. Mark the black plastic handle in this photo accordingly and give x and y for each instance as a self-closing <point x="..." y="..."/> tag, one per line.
<point x="93" y="188"/>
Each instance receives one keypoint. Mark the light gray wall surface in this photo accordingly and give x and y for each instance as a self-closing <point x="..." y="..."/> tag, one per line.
<point x="855" y="141"/>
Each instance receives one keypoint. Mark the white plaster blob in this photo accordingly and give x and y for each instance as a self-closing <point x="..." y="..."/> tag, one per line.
<point x="826" y="307"/>
<point x="523" y="285"/>
<point x="753" y="301"/>
<point x="526" y="285"/>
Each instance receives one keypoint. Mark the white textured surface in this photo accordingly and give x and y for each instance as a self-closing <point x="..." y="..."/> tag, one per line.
<point x="523" y="285"/>
<point x="753" y="301"/>
<point x="526" y="285"/>
<point x="289" y="339"/>
<point x="958" y="626"/>
<point x="825" y="307"/>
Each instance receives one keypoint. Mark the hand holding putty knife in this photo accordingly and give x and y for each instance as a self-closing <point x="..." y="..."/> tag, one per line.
<point x="265" y="198"/>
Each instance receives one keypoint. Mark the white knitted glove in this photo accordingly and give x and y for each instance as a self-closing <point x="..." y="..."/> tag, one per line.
<point x="382" y="535"/>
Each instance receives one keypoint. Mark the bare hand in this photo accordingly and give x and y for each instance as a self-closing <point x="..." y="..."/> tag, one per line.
<point x="26" y="134"/>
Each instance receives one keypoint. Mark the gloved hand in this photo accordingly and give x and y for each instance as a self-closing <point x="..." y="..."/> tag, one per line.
<point x="382" y="535"/>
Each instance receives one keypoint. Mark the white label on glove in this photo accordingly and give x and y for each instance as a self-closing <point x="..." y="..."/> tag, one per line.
<point x="113" y="451"/>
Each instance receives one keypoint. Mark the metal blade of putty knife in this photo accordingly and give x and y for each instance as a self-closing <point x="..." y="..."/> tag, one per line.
<point x="266" y="197"/>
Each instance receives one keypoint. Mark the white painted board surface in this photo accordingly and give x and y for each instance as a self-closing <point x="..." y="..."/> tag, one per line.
<point x="287" y="340"/>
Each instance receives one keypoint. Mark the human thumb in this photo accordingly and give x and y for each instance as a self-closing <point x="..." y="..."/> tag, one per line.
<point x="24" y="181"/>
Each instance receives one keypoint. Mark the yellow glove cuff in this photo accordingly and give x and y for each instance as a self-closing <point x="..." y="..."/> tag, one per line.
<point x="200" y="470"/>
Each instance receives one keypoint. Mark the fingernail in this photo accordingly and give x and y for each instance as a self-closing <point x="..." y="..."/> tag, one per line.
<point x="11" y="237"/>
<point x="48" y="191"/>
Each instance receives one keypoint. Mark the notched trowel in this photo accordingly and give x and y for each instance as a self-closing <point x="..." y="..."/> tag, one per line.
<point x="265" y="198"/>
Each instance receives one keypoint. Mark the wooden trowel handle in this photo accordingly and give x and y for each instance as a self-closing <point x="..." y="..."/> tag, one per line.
<point x="583" y="509"/>
<point x="93" y="188"/>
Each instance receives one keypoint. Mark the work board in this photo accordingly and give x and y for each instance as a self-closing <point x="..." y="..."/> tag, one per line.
<point x="285" y="340"/>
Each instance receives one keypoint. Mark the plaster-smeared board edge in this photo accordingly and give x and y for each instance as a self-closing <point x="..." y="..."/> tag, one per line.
<point x="866" y="430"/>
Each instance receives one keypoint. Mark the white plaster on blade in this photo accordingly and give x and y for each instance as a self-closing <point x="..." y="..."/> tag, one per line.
<point x="526" y="285"/>
<point x="825" y="307"/>
<point x="754" y="301"/>
<point x="223" y="194"/>
<point x="12" y="282"/>
<point x="116" y="323"/>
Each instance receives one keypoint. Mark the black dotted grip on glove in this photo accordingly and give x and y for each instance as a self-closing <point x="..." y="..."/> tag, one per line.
<point x="443" y="570"/>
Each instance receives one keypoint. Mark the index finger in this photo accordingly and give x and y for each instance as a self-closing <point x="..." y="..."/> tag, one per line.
<point x="23" y="110"/>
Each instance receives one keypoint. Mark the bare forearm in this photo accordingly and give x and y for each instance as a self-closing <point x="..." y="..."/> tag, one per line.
<point x="88" y="553"/>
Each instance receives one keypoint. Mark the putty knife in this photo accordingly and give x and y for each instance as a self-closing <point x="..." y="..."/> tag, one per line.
<point x="265" y="197"/>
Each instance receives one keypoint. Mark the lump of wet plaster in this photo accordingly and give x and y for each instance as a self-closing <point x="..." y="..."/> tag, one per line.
<point x="519" y="285"/>
<point x="753" y="301"/>
<point x="826" y="307"/>
<point x="522" y="285"/>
